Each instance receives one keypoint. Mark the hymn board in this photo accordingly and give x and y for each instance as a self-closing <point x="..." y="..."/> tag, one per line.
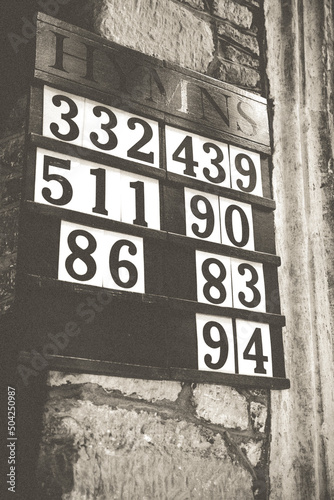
<point x="148" y="219"/>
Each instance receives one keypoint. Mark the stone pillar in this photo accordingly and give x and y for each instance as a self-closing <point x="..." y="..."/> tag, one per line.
<point x="300" y="58"/>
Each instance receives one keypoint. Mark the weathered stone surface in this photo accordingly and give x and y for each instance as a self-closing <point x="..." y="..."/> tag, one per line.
<point x="221" y="405"/>
<point x="150" y="390"/>
<point x="302" y="446"/>
<point x="161" y="28"/>
<point x="233" y="54"/>
<point x="246" y="40"/>
<point x="236" y="74"/>
<point x="258" y="414"/>
<point x="197" y="4"/>
<point x="94" y="452"/>
<point x="252" y="449"/>
<point x="233" y="12"/>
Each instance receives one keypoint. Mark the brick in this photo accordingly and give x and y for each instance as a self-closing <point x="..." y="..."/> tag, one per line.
<point x="150" y="390"/>
<point x="258" y="414"/>
<point x="221" y="405"/>
<point x="237" y="14"/>
<point x="91" y="451"/>
<point x="233" y="54"/>
<point x="161" y="28"/>
<point x="236" y="74"/>
<point x="246" y="40"/>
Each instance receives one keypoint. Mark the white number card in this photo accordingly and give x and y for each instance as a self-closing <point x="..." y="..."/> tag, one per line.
<point x="95" y="189"/>
<point x="99" y="127"/>
<point x="101" y="258"/>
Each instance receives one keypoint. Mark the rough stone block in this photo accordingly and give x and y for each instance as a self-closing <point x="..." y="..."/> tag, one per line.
<point x="237" y="14"/>
<point x="236" y="74"/>
<point x="196" y="4"/>
<point x="159" y="28"/>
<point x="252" y="449"/>
<point x="246" y="40"/>
<point x="233" y="54"/>
<point x="221" y="405"/>
<point x="258" y="414"/>
<point x="150" y="390"/>
<point x="91" y="451"/>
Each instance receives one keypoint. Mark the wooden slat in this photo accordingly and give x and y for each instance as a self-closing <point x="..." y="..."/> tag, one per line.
<point x="69" y="364"/>
<point x="159" y="85"/>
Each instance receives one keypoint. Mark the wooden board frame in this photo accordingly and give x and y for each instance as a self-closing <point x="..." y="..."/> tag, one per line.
<point x="171" y="96"/>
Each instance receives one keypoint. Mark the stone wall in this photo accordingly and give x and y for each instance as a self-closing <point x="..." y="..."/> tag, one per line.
<point x="300" y="61"/>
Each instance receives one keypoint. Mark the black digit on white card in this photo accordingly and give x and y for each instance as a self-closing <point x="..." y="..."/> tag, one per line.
<point x="111" y="142"/>
<point x="213" y="279"/>
<point x="256" y="298"/>
<point x="202" y="215"/>
<point x="244" y="237"/>
<point x="65" y="185"/>
<point x="100" y="191"/>
<point x="216" y="162"/>
<point x="72" y="112"/>
<point x="221" y="343"/>
<point x="245" y="171"/>
<point x="134" y="151"/>
<point x="236" y="224"/>
<point x="116" y="264"/>
<point x="206" y="214"/>
<point x="215" y="343"/>
<point x="256" y="342"/>
<point x="123" y="262"/>
<point x="84" y="254"/>
<point x="62" y="115"/>
<point x="254" y="348"/>
<point x="187" y="158"/>
<point x="138" y="186"/>
<point x="248" y="285"/>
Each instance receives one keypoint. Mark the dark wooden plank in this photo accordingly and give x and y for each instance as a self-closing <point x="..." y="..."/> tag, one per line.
<point x="277" y="351"/>
<point x="115" y="70"/>
<point x="38" y="281"/>
<point x="180" y="272"/>
<point x="155" y="266"/>
<point x="93" y="221"/>
<point x="105" y="327"/>
<point x="263" y="203"/>
<point x="187" y="375"/>
<point x="174" y="209"/>
<point x="264" y="231"/>
<point x="96" y="156"/>
<point x="182" y="339"/>
<point x="272" y="289"/>
<point x="98" y="367"/>
<point x="69" y="364"/>
<point x="261" y="317"/>
<point x="266" y="176"/>
<point x="35" y="109"/>
<point x="29" y="175"/>
<point x="208" y="246"/>
<point x="39" y="244"/>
